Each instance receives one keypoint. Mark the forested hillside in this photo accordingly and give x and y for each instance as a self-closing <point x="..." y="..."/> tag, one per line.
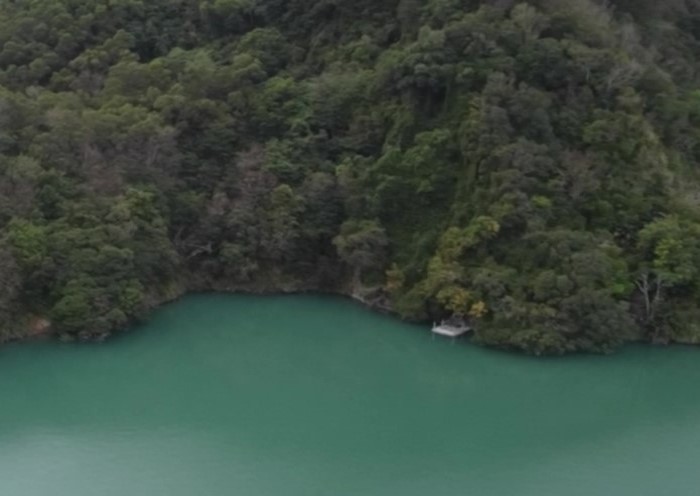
<point x="530" y="165"/>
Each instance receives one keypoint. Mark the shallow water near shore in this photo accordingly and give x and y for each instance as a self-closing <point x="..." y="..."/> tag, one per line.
<point x="313" y="395"/>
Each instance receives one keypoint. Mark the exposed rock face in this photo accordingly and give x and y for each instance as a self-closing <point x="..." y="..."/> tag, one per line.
<point x="39" y="326"/>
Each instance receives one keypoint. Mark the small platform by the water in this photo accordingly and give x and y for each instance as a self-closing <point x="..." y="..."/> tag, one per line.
<point x="451" y="331"/>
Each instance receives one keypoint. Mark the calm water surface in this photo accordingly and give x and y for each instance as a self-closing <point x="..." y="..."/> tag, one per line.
<point x="224" y="395"/>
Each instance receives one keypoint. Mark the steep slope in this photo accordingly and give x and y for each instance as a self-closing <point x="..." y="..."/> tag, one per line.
<point x="530" y="165"/>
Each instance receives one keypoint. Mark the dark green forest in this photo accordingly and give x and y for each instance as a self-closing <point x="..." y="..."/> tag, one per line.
<point x="531" y="166"/>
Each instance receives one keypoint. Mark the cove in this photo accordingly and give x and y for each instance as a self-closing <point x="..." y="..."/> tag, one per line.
<point x="311" y="395"/>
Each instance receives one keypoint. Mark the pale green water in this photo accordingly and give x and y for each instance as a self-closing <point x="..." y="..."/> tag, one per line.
<point x="251" y="396"/>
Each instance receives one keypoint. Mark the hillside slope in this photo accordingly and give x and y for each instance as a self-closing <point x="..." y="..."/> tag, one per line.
<point x="532" y="165"/>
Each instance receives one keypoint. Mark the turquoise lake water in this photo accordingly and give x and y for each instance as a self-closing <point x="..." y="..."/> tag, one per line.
<point x="310" y="395"/>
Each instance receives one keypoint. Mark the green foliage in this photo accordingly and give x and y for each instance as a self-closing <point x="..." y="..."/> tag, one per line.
<point x="531" y="166"/>
<point x="362" y="245"/>
<point x="29" y="243"/>
<point x="671" y="249"/>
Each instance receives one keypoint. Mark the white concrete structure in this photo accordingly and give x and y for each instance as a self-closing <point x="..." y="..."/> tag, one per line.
<point x="451" y="330"/>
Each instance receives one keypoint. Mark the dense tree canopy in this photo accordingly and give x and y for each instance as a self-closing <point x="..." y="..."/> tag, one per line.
<point x="529" y="165"/>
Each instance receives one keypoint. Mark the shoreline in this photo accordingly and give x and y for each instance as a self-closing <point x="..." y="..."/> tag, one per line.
<point x="379" y="304"/>
<point x="38" y="327"/>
